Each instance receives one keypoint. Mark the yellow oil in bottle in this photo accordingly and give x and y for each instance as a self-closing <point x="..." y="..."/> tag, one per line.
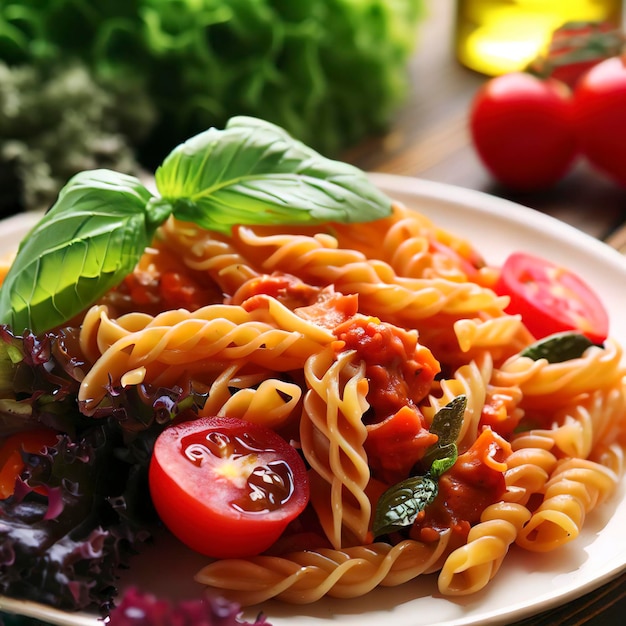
<point x="498" y="36"/>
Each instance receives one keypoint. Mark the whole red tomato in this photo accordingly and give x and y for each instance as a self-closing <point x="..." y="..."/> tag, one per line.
<point x="522" y="129"/>
<point x="600" y="117"/>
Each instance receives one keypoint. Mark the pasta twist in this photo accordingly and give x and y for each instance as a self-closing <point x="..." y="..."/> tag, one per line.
<point x="528" y="471"/>
<point x="470" y="380"/>
<point x="575" y="487"/>
<point x="548" y="386"/>
<point x="503" y="336"/>
<point x="306" y="576"/>
<point x="332" y="434"/>
<point x="318" y="260"/>
<point x="206" y="251"/>
<point x="470" y="567"/>
<point x="176" y="345"/>
<point x="272" y="403"/>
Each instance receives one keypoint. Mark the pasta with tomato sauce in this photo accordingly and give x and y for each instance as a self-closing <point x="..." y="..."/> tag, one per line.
<point x="348" y="340"/>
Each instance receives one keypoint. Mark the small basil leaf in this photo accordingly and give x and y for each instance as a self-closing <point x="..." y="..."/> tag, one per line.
<point x="448" y="420"/>
<point x="446" y="458"/>
<point x="446" y="424"/>
<point x="558" y="347"/>
<point x="253" y="172"/>
<point x="88" y="241"/>
<point x="399" y="506"/>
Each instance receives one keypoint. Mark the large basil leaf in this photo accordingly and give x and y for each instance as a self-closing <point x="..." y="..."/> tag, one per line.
<point x="253" y="172"/>
<point x="87" y="242"/>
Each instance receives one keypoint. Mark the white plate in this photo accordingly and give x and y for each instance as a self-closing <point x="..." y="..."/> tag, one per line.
<point x="527" y="583"/>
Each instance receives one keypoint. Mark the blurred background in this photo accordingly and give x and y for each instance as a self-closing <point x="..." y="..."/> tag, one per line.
<point x="119" y="83"/>
<point x="385" y="84"/>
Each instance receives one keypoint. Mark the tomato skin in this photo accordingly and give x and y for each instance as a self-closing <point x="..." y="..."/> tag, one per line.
<point x="202" y="496"/>
<point x="600" y="117"/>
<point x="522" y="129"/>
<point x="551" y="299"/>
<point x="11" y="463"/>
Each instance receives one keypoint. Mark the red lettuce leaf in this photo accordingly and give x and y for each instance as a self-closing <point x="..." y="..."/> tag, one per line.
<point x="144" y="609"/>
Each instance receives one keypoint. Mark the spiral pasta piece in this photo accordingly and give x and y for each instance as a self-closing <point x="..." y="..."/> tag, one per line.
<point x="469" y="380"/>
<point x="206" y="251"/>
<point x="502" y="336"/>
<point x="528" y="471"/>
<point x="332" y="434"/>
<point x="552" y="385"/>
<point x="470" y="567"/>
<point x="178" y="345"/>
<point x="306" y="576"/>
<point x="575" y="487"/>
<point x="318" y="260"/>
<point x="272" y="403"/>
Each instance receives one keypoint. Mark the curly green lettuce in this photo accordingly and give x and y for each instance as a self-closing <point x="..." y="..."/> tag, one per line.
<point x="328" y="71"/>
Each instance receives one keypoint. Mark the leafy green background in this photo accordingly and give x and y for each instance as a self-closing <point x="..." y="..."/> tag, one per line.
<point x="328" y="71"/>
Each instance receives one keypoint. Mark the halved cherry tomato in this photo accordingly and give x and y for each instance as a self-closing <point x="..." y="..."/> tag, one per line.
<point x="11" y="463"/>
<point x="225" y="487"/>
<point x="551" y="298"/>
<point x="522" y="129"/>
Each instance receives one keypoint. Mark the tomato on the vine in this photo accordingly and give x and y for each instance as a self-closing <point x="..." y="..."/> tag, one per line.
<point x="225" y="487"/>
<point x="600" y="116"/>
<point x="11" y="462"/>
<point x="551" y="298"/>
<point x="522" y="129"/>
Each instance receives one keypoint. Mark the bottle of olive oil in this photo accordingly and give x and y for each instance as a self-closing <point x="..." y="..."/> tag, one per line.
<point x="498" y="36"/>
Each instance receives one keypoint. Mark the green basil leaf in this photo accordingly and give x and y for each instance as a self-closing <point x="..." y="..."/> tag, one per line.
<point x="446" y="424"/>
<point x="253" y="172"/>
<point x="446" y="458"/>
<point x="88" y="241"/>
<point x="558" y="347"/>
<point x="448" y="420"/>
<point x="399" y="506"/>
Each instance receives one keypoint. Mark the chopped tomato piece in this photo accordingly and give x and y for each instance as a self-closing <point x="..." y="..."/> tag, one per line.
<point x="400" y="369"/>
<point x="394" y="445"/>
<point x="11" y="462"/>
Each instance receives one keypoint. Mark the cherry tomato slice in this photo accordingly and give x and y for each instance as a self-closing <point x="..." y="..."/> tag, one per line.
<point x="225" y="487"/>
<point x="11" y="463"/>
<point x="551" y="298"/>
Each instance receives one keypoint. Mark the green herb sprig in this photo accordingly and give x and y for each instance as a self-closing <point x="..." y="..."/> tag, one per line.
<point x="558" y="347"/>
<point x="251" y="172"/>
<point x="399" y="506"/>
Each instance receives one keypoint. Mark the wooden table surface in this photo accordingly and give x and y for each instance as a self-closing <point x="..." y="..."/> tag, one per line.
<point x="429" y="139"/>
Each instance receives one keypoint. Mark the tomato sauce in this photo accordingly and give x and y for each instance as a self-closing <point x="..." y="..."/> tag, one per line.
<point x="474" y="482"/>
<point x="400" y="372"/>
